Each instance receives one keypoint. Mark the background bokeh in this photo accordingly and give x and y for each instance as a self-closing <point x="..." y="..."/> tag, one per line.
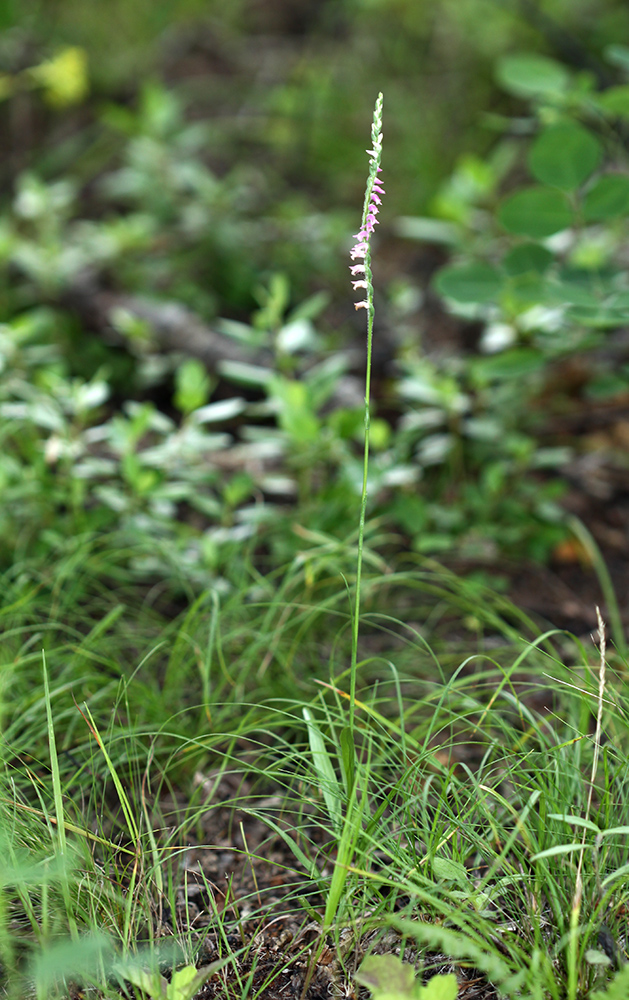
<point x="210" y="157"/>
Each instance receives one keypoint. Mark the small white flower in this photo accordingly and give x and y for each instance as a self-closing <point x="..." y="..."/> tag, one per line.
<point x="360" y="250"/>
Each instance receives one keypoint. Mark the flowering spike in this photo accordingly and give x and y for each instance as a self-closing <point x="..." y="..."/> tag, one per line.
<point x="371" y="207"/>
<point x="362" y="249"/>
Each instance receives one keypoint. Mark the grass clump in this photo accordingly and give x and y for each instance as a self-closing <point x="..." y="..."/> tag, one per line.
<point x="481" y="804"/>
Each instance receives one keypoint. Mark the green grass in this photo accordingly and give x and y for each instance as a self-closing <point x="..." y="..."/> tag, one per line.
<point x="479" y="804"/>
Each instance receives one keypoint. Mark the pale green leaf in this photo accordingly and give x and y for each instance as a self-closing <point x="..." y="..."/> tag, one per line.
<point x="530" y="75"/>
<point x="475" y="282"/>
<point x="536" y="211"/>
<point x="564" y="155"/>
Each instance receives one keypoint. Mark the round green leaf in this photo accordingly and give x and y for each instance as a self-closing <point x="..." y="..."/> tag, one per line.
<point x="564" y="155"/>
<point x="475" y="282"/>
<point x="532" y="76"/>
<point x="527" y="258"/>
<point x="537" y="212"/>
<point x="607" y="198"/>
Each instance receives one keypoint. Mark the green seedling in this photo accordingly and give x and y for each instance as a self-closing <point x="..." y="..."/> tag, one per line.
<point x="389" y="978"/>
<point x="185" y="982"/>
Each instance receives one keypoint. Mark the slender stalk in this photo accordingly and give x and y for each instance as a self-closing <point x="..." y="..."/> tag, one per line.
<point x="363" y="509"/>
<point x="362" y="250"/>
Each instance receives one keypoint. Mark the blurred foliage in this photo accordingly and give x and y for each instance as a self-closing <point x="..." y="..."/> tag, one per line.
<point x="293" y="80"/>
<point x="229" y="180"/>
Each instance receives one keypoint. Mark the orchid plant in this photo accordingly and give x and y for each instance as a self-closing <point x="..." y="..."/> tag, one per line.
<point x="362" y="279"/>
<point x="348" y="822"/>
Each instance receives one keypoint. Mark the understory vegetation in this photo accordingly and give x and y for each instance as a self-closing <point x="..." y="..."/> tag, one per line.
<point x="271" y="723"/>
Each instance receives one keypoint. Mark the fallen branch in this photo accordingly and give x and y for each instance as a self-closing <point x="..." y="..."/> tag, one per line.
<point x="173" y="326"/>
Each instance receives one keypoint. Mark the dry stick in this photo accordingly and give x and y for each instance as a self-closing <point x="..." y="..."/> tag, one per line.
<point x="173" y="326"/>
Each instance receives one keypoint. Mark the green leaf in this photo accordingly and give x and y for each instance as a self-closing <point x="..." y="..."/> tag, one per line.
<point x="513" y="364"/>
<point x="570" y="293"/>
<point x="553" y="852"/>
<point x="149" y="982"/>
<point x="525" y="290"/>
<point x="192" y="386"/>
<point x="620" y="300"/>
<point x="291" y="843"/>
<point x="64" y="78"/>
<point x="586" y="824"/>
<point x="608" y="198"/>
<point x="439" y="988"/>
<point x="348" y="758"/>
<point x="527" y="258"/>
<point x="387" y="976"/>
<point x="245" y="374"/>
<point x="619" y="873"/>
<point x="532" y="76"/>
<point x="598" y="318"/>
<point x="474" y="282"/>
<point x="325" y="771"/>
<point x="537" y="212"/>
<point x="295" y="415"/>
<point x="179" y="988"/>
<point x="564" y="155"/>
<point x="187" y="982"/>
<point x="450" y="871"/>
<point x="184" y="983"/>
<point x="615" y="101"/>
<point x="594" y="957"/>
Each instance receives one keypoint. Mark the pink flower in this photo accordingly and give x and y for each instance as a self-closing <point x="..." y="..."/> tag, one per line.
<point x="373" y="200"/>
<point x="360" y="248"/>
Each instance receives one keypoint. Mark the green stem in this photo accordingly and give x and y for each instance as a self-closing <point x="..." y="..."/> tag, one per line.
<point x="363" y="498"/>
